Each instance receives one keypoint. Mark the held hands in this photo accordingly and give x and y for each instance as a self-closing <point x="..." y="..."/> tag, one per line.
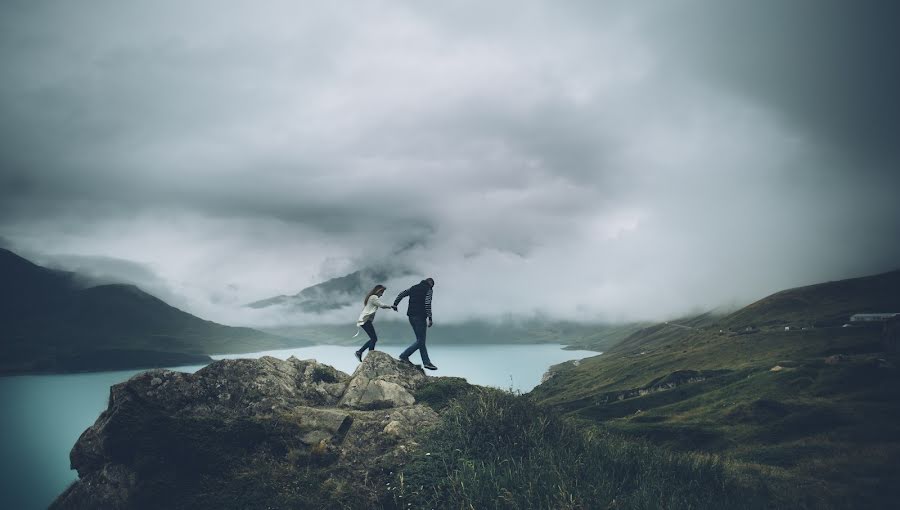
<point x="430" y="322"/>
<point x="394" y="308"/>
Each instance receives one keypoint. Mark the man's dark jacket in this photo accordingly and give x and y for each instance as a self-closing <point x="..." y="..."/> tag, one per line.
<point x="419" y="300"/>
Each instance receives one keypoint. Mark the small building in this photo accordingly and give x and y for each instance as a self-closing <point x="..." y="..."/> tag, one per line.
<point x="873" y="317"/>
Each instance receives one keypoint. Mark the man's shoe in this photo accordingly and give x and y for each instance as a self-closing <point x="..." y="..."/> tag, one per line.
<point x="359" y="355"/>
<point x="405" y="360"/>
<point x="429" y="366"/>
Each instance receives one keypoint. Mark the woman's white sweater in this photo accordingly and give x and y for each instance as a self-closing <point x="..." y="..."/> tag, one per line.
<point x="368" y="311"/>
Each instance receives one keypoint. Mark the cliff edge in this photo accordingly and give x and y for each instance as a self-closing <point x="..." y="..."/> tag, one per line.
<point x="251" y="433"/>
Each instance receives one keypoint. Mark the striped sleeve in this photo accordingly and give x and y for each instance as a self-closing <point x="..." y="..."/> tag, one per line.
<point x="401" y="296"/>
<point x="428" y="303"/>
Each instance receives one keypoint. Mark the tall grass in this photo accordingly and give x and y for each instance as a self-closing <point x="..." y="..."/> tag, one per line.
<point x="498" y="450"/>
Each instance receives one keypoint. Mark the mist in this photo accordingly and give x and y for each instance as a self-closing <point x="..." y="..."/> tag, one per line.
<point x="593" y="161"/>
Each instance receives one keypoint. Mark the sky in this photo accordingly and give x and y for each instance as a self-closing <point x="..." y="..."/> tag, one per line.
<point x="590" y="161"/>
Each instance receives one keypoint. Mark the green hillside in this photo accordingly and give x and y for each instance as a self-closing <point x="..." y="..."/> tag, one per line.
<point x="822" y="305"/>
<point x="50" y="321"/>
<point x="816" y="411"/>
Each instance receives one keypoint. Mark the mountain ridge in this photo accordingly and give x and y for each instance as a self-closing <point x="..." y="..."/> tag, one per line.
<point x="51" y="320"/>
<point x="334" y="293"/>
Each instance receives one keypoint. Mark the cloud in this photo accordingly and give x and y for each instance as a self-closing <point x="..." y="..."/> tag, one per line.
<point x="593" y="160"/>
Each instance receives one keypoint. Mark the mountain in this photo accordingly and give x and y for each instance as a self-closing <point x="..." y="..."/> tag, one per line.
<point x="817" y="404"/>
<point x="50" y="321"/>
<point x="332" y="294"/>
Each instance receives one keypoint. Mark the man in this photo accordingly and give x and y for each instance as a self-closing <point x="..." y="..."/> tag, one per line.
<point x="418" y="311"/>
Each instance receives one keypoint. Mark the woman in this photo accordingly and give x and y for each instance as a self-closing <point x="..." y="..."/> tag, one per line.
<point x="372" y="304"/>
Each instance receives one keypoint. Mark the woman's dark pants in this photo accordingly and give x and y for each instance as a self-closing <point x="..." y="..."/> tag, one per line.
<point x="370" y="330"/>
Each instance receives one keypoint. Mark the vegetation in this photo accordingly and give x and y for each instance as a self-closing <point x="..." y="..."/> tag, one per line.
<point x="814" y="411"/>
<point x="498" y="450"/>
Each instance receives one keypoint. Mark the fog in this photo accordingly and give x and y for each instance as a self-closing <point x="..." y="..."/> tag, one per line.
<point x="593" y="161"/>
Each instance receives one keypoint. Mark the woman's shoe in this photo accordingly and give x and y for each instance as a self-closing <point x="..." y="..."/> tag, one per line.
<point x="359" y="355"/>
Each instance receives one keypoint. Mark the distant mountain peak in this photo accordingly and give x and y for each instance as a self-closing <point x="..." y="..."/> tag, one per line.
<point x="334" y="293"/>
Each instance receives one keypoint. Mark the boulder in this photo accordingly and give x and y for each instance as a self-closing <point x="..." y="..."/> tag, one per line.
<point x="322" y="424"/>
<point x="168" y="438"/>
<point x="245" y="387"/>
<point x="406" y="421"/>
<point x="382" y="382"/>
<point x="226" y="389"/>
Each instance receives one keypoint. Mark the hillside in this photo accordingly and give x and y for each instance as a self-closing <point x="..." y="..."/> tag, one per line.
<point x="49" y="321"/>
<point x="817" y="410"/>
<point x="822" y="305"/>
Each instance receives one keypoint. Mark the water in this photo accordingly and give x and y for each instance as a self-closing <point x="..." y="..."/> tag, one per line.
<point x="516" y="367"/>
<point x="41" y="416"/>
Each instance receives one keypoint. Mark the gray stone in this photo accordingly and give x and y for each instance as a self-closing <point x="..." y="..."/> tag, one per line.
<point x="315" y="437"/>
<point x="406" y="421"/>
<point x="250" y="406"/>
<point x="327" y="424"/>
<point x="382" y="382"/>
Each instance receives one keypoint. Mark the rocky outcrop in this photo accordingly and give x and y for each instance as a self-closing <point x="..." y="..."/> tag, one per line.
<point x="381" y="382"/>
<point x="554" y="370"/>
<point x="168" y="438"/>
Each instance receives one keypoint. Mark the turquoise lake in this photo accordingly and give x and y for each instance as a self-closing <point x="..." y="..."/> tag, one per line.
<point x="43" y="415"/>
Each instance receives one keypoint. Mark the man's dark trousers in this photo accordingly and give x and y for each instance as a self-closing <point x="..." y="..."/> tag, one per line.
<point x="419" y="328"/>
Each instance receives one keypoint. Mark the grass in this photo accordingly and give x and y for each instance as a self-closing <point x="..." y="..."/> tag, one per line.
<point x="822" y="433"/>
<point x="726" y="431"/>
<point x="499" y="450"/>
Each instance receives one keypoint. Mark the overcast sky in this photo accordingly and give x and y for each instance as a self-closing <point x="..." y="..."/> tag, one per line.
<point x="579" y="160"/>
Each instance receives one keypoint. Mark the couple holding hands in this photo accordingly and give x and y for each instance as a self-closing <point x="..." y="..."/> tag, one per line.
<point x="418" y="311"/>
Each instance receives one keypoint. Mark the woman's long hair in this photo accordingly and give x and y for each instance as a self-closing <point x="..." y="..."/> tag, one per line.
<point x="373" y="291"/>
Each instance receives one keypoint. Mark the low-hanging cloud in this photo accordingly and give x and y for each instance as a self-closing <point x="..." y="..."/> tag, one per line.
<point x="585" y="161"/>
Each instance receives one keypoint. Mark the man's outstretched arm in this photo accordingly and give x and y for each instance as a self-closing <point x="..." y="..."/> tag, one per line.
<point x="400" y="297"/>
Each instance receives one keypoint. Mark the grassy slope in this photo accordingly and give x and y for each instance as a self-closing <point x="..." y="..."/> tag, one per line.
<point x="828" y="430"/>
<point x="494" y="449"/>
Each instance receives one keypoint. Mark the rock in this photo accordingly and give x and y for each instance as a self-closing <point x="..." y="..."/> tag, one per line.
<point x="406" y="421"/>
<point x="165" y="435"/>
<point x="776" y="368"/>
<point x="325" y="423"/>
<point x="316" y="437"/>
<point x="224" y="389"/>
<point x="554" y="370"/>
<point x="381" y="382"/>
